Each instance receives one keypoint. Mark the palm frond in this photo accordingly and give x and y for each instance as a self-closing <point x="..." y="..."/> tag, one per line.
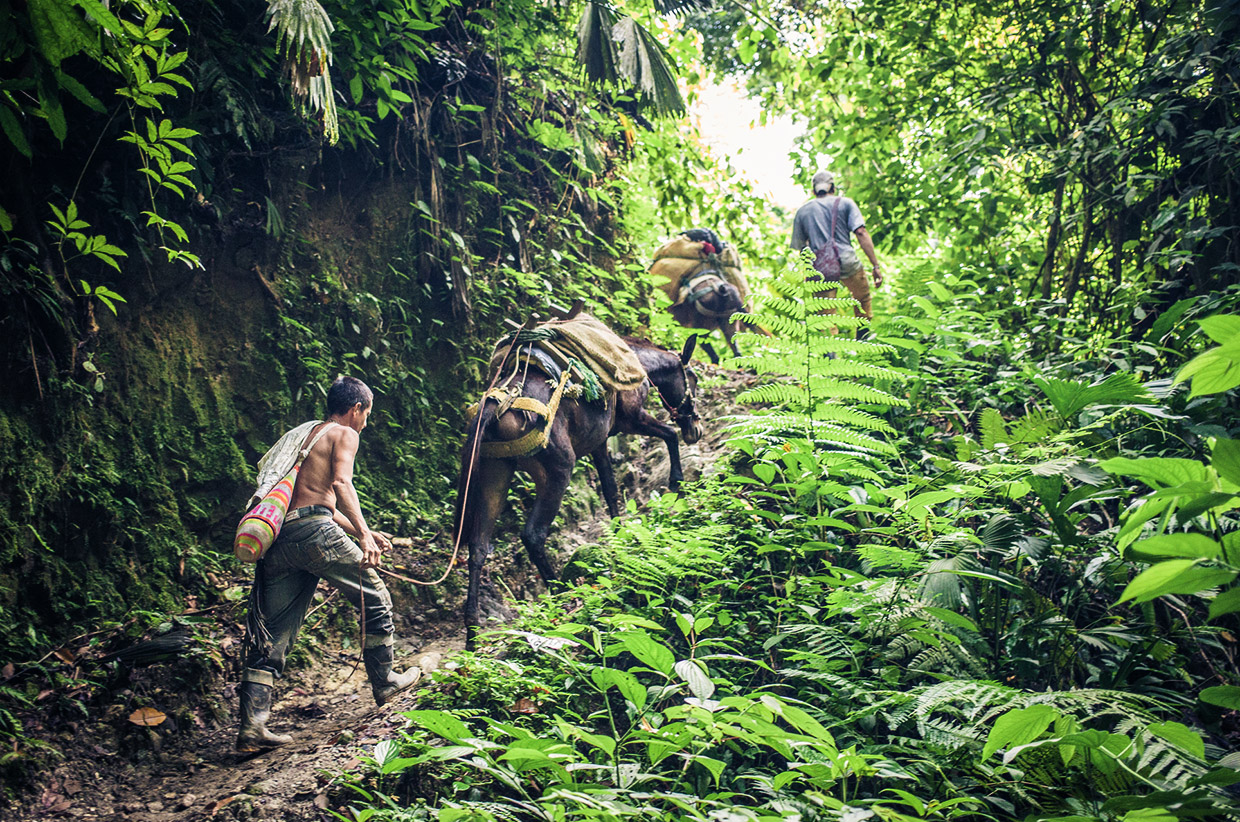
<point x="646" y="64"/>
<point x="596" y="48"/>
<point x="680" y="6"/>
<point x="303" y="38"/>
<point x="1072" y="396"/>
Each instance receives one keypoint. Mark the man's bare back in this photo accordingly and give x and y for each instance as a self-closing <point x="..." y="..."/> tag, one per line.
<point x="320" y="470"/>
<point x="326" y="478"/>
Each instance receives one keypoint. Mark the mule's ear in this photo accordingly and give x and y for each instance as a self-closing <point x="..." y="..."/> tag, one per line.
<point x="688" y="350"/>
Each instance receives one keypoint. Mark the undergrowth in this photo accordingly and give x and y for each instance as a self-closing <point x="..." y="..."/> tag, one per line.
<point x="934" y="580"/>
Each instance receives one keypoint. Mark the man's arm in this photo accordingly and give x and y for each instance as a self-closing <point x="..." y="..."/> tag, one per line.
<point x="344" y="452"/>
<point x="867" y="245"/>
<point x="798" y="233"/>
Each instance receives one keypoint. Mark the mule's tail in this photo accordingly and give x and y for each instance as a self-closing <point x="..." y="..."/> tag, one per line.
<point x="475" y="433"/>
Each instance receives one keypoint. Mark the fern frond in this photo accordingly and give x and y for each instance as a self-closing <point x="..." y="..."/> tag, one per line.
<point x="994" y="431"/>
<point x="828" y="433"/>
<point x="817" y="305"/>
<point x="837" y="389"/>
<point x="773" y="393"/>
<point x="852" y="368"/>
<point x="1035" y="427"/>
<point x="851" y="416"/>
<point x="823" y="431"/>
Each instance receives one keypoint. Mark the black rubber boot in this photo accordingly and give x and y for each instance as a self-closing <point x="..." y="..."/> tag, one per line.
<point x="255" y="711"/>
<point x="383" y="683"/>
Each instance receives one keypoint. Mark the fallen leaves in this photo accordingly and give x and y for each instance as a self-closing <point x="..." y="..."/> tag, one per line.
<point x="147" y="717"/>
<point x="214" y="807"/>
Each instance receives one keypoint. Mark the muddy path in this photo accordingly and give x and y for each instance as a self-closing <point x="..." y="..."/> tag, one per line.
<point x="185" y="768"/>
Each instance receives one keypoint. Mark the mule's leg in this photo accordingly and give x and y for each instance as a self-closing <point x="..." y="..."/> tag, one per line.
<point x="647" y="426"/>
<point x="607" y="478"/>
<point x="550" y="484"/>
<point x="710" y="351"/>
<point x="488" y="489"/>
<point x="729" y="330"/>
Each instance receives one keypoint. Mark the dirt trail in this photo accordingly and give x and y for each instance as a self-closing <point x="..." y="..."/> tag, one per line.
<point x="185" y="769"/>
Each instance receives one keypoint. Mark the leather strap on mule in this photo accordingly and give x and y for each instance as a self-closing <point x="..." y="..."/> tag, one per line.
<point x="699" y="287"/>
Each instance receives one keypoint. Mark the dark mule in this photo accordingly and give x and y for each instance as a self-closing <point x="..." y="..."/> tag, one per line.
<point x="712" y="299"/>
<point x="579" y="428"/>
<point x="711" y="302"/>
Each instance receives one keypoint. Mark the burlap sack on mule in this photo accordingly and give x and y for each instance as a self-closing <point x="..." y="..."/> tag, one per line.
<point x="597" y="346"/>
<point x="679" y="260"/>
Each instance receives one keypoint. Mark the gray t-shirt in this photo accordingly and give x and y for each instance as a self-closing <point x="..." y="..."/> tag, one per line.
<point x="812" y="224"/>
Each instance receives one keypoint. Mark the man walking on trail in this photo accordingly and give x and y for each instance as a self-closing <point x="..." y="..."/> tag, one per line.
<point x="824" y="225"/>
<point x="314" y="544"/>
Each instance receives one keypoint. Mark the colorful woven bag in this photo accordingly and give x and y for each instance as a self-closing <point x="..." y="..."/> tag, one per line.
<point x="261" y="524"/>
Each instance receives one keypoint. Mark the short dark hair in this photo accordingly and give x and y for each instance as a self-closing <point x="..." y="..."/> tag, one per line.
<point x="347" y="392"/>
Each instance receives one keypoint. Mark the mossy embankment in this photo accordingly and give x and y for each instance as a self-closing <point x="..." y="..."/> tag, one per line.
<point x="121" y="478"/>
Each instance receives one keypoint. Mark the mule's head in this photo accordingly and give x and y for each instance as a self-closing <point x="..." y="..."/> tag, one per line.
<point x="685" y="414"/>
<point x="720" y="301"/>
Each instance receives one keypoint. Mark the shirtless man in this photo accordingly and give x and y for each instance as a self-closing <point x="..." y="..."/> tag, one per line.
<point x="314" y="544"/>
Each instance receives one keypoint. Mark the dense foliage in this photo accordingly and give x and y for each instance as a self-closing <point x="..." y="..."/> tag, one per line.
<point x="980" y="563"/>
<point x="210" y="211"/>
<point x="882" y="608"/>
<point x="1083" y="154"/>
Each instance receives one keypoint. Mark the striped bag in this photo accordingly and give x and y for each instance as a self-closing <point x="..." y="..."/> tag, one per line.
<point x="261" y="524"/>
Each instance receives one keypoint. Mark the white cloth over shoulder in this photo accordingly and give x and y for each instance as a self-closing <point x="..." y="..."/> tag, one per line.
<point x="279" y="460"/>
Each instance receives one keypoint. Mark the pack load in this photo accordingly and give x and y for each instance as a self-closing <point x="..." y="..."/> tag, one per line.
<point x="587" y="361"/>
<point x="694" y="253"/>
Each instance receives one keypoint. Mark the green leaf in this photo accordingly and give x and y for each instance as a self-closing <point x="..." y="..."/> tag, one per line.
<point x="440" y="722"/>
<point x="1227" y="602"/>
<point x="13" y="130"/>
<point x="1157" y="472"/>
<point x="1070" y="397"/>
<point x="649" y="650"/>
<point x="1181" y="736"/>
<point x="1018" y="727"/>
<point x="80" y="92"/>
<point x="1175" y="576"/>
<point x="59" y="30"/>
<point x="628" y="685"/>
<point x="691" y="672"/>
<point x="1222" y="328"/>
<point x="1189" y="546"/>
<point x="1226" y="459"/>
<point x="1225" y="696"/>
<point x="711" y="764"/>
<point x="951" y="617"/>
<point x="1213" y="371"/>
<point x="51" y="108"/>
<point x="102" y="16"/>
<point x="604" y="743"/>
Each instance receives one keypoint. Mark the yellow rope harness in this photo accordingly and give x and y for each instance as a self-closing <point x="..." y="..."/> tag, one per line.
<point x="509" y="398"/>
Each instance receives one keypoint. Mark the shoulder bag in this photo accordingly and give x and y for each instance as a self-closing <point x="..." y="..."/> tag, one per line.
<point x="260" y="526"/>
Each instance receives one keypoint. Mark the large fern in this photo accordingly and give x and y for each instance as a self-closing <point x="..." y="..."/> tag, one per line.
<point x="816" y="378"/>
<point x="655" y="554"/>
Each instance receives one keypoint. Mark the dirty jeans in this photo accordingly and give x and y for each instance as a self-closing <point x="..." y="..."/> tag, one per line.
<point x="307" y="550"/>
